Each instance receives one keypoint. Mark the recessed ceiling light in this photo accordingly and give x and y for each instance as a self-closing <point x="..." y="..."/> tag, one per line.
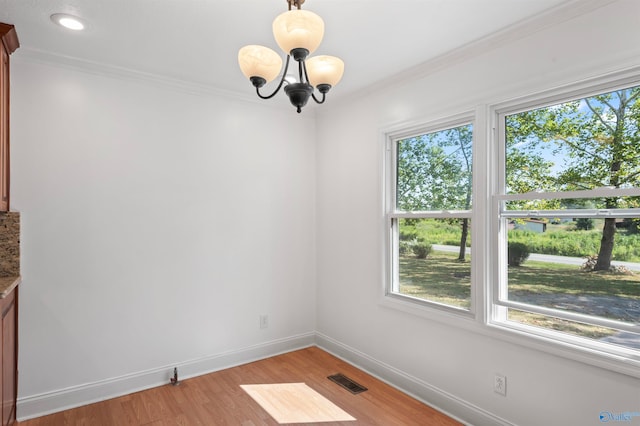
<point x="68" y="21"/>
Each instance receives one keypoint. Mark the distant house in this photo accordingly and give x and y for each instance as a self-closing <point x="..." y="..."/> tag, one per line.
<point x="529" y="225"/>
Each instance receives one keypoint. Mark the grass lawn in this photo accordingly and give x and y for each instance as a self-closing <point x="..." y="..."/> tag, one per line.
<point x="438" y="278"/>
<point x="442" y="278"/>
<point x="553" y="278"/>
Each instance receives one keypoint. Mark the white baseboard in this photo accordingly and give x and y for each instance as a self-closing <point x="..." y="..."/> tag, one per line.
<point x="448" y="404"/>
<point x="51" y="402"/>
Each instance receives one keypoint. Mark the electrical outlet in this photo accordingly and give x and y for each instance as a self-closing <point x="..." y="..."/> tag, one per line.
<point x="264" y="321"/>
<point x="500" y="384"/>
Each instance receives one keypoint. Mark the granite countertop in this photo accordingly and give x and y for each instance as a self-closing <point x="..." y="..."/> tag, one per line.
<point x="7" y="284"/>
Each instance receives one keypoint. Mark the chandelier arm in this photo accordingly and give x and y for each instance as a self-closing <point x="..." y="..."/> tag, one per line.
<point x="284" y="74"/>
<point x="306" y="76"/>
<point x="316" y="99"/>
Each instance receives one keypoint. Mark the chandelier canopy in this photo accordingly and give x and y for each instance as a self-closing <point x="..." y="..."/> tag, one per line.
<point x="298" y="33"/>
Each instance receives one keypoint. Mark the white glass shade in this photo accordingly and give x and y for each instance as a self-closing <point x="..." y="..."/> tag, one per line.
<point x="298" y="28"/>
<point x="324" y="70"/>
<point x="259" y="61"/>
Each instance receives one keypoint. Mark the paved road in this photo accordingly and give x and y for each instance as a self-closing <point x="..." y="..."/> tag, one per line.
<point x="551" y="259"/>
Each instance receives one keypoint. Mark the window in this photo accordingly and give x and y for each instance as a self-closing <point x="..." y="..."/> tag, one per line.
<point x="568" y="203"/>
<point x="429" y="197"/>
<point x="548" y="190"/>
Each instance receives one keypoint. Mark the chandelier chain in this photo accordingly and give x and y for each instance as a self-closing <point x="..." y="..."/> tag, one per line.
<point x="296" y="3"/>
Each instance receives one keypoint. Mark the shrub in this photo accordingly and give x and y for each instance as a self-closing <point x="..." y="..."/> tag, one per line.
<point x="584" y="224"/>
<point x="408" y="234"/>
<point x="517" y="253"/>
<point x="417" y="246"/>
<point x="421" y="249"/>
<point x="403" y="247"/>
<point x="633" y="225"/>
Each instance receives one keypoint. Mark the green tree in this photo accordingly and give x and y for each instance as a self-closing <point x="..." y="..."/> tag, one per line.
<point x="434" y="173"/>
<point x="599" y="138"/>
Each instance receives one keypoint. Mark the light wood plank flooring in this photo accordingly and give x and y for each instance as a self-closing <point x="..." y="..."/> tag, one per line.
<point x="217" y="399"/>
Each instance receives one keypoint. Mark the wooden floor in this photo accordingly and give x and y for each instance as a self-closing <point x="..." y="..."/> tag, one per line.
<point x="217" y="399"/>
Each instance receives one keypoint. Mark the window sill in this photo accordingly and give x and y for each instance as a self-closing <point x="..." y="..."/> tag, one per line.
<point x="425" y="309"/>
<point x="620" y="360"/>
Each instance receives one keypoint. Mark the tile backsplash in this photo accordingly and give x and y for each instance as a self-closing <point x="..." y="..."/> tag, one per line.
<point x="9" y="244"/>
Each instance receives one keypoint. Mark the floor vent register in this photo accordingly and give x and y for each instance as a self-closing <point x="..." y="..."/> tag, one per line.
<point x="347" y="383"/>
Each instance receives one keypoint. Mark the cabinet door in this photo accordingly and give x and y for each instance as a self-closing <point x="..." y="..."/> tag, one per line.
<point x="9" y="345"/>
<point x="4" y="129"/>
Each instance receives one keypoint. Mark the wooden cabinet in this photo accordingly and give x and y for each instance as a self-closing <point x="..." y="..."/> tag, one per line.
<point x="8" y="46"/>
<point x="9" y="388"/>
<point x="9" y="297"/>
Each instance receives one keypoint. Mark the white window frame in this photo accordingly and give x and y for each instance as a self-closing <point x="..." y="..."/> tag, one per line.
<point x="484" y="317"/>
<point x="391" y="295"/>
<point x="614" y="357"/>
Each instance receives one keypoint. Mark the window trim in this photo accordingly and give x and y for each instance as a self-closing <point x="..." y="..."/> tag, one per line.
<point x="484" y="233"/>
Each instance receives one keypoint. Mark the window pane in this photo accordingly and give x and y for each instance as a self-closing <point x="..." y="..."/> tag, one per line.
<point x="565" y="287"/>
<point x="575" y="255"/>
<point x="431" y="266"/>
<point x="434" y="170"/>
<point x="583" y="144"/>
<point x="560" y="273"/>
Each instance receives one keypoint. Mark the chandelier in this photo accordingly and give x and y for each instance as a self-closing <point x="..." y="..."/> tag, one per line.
<point x="298" y="33"/>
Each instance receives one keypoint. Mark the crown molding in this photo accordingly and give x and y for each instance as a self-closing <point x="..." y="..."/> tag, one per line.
<point x="183" y="86"/>
<point x="566" y="11"/>
<point x="103" y="69"/>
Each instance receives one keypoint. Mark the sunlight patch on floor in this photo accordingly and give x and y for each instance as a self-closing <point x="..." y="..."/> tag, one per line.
<point x="295" y="403"/>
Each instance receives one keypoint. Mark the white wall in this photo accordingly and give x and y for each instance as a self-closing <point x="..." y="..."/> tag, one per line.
<point x="451" y="365"/>
<point x="157" y="226"/>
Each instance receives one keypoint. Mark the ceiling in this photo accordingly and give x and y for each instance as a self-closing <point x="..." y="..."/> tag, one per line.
<point x="196" y="41"/>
